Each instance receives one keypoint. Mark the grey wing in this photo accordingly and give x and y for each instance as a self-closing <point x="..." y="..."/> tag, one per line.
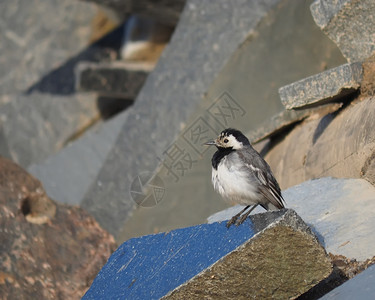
<point x="268" y="185"/>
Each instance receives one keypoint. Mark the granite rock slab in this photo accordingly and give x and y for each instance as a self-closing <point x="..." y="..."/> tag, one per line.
<point x="339" y="211"/>
<point x="69" y="173"/>
<point x="339" y="144"/>
<point x="38" y="36"/>
<point x="333" y="85"/>
<point x="269" y="255"/>
<point x="35" y="126"/>
<point x="185" y="69"/>
<point x="350" y="24"/>
<point x="249" y="82"/>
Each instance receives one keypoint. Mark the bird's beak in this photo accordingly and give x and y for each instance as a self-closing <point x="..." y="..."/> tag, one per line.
<point x="210" y="143"/>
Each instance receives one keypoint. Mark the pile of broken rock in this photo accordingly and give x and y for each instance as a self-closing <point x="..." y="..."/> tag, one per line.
<point x="324" y="237"/>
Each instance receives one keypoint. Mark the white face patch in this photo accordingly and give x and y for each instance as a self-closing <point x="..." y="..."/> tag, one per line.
<point x="229" y="141"/>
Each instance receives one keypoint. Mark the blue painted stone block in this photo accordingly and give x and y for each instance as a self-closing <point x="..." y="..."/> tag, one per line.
<point x="149" y="267"/>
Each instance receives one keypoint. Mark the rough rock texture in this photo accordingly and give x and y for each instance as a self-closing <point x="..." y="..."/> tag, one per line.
<point x="278" y="273"/>
<point x="350" y="24"/>
<point x="340" y="212"/>
<point x="368" y="81"/>
<point x="340" y="144"/>
<point x="120" y="80"/>
<point x="329" y="86"/>
<point x="38" y="36"/>
<point x="285" y="47"/>
<point x="360" y="287"/>
<point x="32" y="127"/>
<point x="350" y="267"/>
<point x="186" y="67"/>
<point x="270" y="255"/>
<point x="47" y="250"/>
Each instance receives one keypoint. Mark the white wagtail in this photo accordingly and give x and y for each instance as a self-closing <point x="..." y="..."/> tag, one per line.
<point x="241" y="175"/>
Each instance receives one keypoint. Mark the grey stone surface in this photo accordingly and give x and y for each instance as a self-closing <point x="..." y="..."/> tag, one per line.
<point x="340" y="212"/>
<point x="62" y="79"/>
<point x="38" y="36"/>
<point x="329" y="86"/>
<point x="68" y="174"/>
<point x="120" y="80"/>
<point x="34" y="126"/>
<point x="350" y="24"/>
<point x="284" y="46"/>
<point x="187" y="66"/>
<point x="360" y="287"/>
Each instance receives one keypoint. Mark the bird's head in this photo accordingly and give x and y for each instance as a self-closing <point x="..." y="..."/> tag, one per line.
<point x="230" y="138"/>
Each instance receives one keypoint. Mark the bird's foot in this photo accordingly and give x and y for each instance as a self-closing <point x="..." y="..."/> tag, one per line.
<point x="234" y="218"/>
<point x="245" y="215"/>
<point x="242" y="219"/>
<point x="232" y="221"/>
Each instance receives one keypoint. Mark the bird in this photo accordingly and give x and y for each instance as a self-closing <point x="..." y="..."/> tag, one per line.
<point x="241" y="175"/>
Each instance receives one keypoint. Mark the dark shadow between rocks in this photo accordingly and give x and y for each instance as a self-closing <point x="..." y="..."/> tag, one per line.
<point x="109" y="106"/>
<point x="336" y="278"/>
<point x="327" y="119"/>
<point x="61" y="81"/>
<point x="277" y="137"/>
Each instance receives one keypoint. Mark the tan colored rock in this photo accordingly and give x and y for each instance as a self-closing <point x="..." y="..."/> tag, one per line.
<point x="275" y="264"/>
<point x="340" y="144"/>
<point x="47" y="250"/>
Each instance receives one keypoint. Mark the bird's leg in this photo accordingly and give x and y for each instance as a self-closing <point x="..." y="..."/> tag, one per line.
<point x="243" y="217"/>
<point x="234" y="218"/>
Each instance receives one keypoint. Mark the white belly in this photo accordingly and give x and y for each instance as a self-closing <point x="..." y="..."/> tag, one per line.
<point x="234" y="184"/>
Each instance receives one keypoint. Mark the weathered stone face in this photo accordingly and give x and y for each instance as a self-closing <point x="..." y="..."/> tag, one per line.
<point x="330" y="86"/>
<point x="47" y="250"/>
<point x="340" y="144"/>
<point x="350" y="24"/>
<point x="273" y="254"/>
<point x="38" y="36"/>
<point x="281" y="264"/>
<point x="34" y="126"/>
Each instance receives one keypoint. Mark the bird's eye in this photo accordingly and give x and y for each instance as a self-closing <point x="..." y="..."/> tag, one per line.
<point x="226" y="141"/>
